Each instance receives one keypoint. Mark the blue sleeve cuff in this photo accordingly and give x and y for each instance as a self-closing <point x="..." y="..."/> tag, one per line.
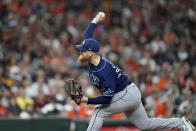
<point x="99" y="100"/>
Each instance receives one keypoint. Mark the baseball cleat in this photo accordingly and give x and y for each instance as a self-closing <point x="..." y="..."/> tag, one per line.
<point x="187" y="125"/>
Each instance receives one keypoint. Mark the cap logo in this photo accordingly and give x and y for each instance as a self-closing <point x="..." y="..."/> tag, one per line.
<point x="89" y="48"/>
<point x="83" y="42"/>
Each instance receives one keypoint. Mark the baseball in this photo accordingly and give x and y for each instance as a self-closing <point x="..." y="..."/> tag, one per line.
<point x="102" y="14"/>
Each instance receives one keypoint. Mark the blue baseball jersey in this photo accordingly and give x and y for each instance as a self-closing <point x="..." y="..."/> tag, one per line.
<point x="107" y="77"/>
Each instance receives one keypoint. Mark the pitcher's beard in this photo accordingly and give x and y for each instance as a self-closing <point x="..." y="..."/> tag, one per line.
<point x="82" y="59"/>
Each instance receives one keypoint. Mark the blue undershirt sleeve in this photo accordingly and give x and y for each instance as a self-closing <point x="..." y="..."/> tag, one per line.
<point x="99" y="100"/>
<point x="89" y="31"/>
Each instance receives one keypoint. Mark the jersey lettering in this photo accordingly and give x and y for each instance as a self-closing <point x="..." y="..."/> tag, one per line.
<point x="118" y="71"/>
<point x="107" y="92"/>
<point x="95" y="80"/>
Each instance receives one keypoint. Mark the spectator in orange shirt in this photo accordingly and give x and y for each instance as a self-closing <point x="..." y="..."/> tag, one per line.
<point x="3" y="112"/>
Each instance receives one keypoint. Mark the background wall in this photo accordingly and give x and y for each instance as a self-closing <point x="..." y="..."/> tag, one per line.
<point x="62" y="124"/>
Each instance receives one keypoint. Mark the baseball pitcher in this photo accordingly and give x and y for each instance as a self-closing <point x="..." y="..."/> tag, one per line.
<point x="119" y="93"/>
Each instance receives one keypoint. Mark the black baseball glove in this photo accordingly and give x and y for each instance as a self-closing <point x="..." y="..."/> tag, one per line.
<point x="74" y="89"/>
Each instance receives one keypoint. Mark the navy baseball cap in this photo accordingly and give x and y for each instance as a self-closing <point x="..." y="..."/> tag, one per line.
<point x="89" y="44"/>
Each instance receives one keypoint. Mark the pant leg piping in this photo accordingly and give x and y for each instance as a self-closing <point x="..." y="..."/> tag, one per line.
<point x="95" y="118"/>
<point x="120" y="98"/>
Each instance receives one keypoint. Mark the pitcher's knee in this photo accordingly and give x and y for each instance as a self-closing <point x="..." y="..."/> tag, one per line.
<point x="100" y="113"/>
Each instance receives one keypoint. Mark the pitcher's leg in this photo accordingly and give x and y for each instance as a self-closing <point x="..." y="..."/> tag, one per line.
<point x="140" y="119"/>
<point x="96" y="121"/>
<point x="118" y="104"/>
<point x="125" y="100"/>
<point x="103" y="111"/>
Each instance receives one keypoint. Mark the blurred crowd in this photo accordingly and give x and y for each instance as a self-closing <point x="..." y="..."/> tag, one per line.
<point x="153" y="41"/>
